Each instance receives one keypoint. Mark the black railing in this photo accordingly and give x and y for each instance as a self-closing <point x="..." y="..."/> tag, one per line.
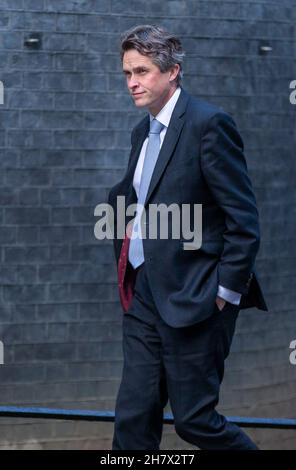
<point x="91" y="415"/>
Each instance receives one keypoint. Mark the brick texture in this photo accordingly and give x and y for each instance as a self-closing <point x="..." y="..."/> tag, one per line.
<point x="64" y="141"/>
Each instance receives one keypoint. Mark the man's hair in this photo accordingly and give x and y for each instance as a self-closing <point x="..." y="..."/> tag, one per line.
<point x="164" y="49"/>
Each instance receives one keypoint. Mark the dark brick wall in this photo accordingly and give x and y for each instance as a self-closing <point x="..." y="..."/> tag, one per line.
<point x="64" y="140"/>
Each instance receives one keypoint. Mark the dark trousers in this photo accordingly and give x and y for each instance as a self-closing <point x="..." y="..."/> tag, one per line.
<point x="184" y="365"/>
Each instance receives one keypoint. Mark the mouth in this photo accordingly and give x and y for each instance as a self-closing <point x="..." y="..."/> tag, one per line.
<point x="138" y="94"/>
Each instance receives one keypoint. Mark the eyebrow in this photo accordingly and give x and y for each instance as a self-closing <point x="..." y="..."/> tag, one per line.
<point x="136" y="69"/>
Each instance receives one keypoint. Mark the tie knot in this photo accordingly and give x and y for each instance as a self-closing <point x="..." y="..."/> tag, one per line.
<point x="156" y="126"/>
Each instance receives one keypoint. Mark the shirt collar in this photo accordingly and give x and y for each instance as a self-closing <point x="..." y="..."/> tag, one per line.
<point x="166" y="112"/>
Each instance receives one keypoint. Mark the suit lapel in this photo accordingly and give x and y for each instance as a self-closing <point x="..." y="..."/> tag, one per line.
<point x="127" y="183"/>
<point x="166" y="151"/>
<point x="167" y="148"/>
<point x="170" y="141"/>
<point x="140" y="135"/>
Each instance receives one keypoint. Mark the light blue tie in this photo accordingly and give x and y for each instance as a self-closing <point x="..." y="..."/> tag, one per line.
<point x="136" y="252"/>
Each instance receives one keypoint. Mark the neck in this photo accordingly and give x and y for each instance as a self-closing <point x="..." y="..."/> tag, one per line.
<point x="154" y="109"/>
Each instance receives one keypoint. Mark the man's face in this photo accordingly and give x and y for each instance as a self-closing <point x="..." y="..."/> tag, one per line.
<point x="148" y="86"/>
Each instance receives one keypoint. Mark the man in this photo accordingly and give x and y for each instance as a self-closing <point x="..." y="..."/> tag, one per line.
<point x="180" y="304"/>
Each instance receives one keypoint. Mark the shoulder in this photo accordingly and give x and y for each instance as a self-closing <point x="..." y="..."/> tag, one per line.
<point x="204" y="117"/>
<point x="203" y="112"/>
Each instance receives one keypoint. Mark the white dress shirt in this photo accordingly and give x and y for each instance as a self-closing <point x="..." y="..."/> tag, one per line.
<point x="164" y="116"/>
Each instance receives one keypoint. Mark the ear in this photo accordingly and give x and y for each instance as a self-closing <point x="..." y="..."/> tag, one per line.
<point x="174" y="72"/>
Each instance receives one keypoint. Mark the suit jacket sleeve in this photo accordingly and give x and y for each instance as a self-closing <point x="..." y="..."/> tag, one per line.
<point x="225" y="170"/>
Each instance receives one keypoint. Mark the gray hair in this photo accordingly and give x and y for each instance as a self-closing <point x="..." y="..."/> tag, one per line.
<point x="164" y="48"/>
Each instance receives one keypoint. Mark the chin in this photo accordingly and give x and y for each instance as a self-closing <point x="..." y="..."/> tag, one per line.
<point x="140" y="104"/>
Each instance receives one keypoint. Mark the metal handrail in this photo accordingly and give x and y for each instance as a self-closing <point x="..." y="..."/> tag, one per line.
<point x="92" y="415"/>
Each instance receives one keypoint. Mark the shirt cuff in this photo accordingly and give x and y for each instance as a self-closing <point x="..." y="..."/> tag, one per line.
<point x="229" y="295"/>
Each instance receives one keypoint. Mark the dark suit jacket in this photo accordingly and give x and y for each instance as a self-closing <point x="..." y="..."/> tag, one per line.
<point x="201" y="161"/>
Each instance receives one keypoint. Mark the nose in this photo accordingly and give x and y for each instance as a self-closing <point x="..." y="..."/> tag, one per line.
<point x="132" y="83"/>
